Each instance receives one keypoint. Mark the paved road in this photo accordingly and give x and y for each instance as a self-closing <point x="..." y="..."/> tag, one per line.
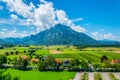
<point x="78" y="76"/>
<point x="117" y="75"/>
<point x="90" y="75"/>
<point x="105" y="76"/>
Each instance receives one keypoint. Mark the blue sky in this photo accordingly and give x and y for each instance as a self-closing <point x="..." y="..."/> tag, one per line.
<point x="97" y="18"/>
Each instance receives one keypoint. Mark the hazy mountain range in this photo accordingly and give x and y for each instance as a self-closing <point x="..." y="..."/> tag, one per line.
<point x="57" y="35"/>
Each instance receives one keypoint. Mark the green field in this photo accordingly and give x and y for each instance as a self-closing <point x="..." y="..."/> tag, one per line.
<point x="64" y="53"/>
<point x="93" y="54"/>
<point x="37" y="75"/>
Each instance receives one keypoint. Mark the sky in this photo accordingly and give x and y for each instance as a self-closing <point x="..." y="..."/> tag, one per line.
<point x="99" y="19"/>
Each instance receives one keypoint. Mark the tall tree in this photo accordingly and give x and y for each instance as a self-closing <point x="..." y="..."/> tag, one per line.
<point x="3" y="59"/>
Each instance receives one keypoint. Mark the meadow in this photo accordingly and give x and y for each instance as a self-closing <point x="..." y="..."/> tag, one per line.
<point x="37" y="75"/>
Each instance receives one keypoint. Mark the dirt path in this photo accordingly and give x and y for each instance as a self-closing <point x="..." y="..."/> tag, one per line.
<point x="91" y="76"/>
<point x="117" y="75"/>
<point x="105" y="76"/>
<point x="78" y="76"/>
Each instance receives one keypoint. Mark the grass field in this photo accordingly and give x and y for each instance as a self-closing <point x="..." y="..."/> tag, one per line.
<point x="37" y="75"/>
<point x="93" y="54"/>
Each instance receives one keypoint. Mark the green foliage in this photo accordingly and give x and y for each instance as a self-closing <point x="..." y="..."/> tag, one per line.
<point x="11" y="52"/>
<point x="41" y="65"/>
<point x="7" y="76"/>
<point x="84" y="65"/>
<point x="21" y="63"/>
<point x="116" y="66"/>
<point x="47" y="63"/>
<point x="16" y="52"/>
<point x="6" y="53"/>
<point x="3" y="59"/>
<point x="112" y="76"/>
<point x="84" y="76"/>
<point x="98" y="76"/>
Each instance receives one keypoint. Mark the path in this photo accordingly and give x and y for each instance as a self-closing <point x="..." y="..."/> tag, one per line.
<point x="105" y="76"/>
<point x="90" y="75"/>
<point x="78" y="76"/>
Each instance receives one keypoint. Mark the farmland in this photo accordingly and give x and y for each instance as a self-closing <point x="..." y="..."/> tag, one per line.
<point x="62" y="53"/>
<point x="86" y="54"/>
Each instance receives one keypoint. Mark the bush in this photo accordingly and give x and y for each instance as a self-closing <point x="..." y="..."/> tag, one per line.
<point x="7" y="53"/>
<point x="7" y="76"/>
<point x="11" y="52"/>
<point x="16" y="52"/>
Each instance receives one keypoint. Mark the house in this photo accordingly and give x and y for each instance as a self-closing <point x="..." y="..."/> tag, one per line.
<point x="35" y="60"/>
<point x="115" y="61"/>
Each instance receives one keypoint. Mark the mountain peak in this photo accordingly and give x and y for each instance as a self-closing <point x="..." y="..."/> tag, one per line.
<point x="60" y="35"/>
<point x="57" y="35"/>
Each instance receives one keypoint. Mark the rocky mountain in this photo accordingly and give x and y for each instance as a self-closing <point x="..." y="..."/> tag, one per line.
<point x="59" y="35"/>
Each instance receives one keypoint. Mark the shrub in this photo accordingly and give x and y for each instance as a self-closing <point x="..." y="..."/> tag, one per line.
<point x="11" y="52"/>
<point x="97" y="76"/>
<point x="7" y="53"/>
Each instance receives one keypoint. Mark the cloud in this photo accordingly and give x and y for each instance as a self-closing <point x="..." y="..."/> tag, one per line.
<point x="14" y="17"/>
<point x="99" y="36"/>
<point x="63" y="19"/>
<point x="77" y="19"/>
<point x="43" y="16"/>
<point x="10" y="33"/>
<point x="5" y="21"/>
<point x="1" y="7"/>
<point x="19" y="7"/>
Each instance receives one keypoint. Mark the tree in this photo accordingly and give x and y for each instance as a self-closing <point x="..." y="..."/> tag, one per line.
<point x="3" y="59"/>
<point x="84" y="65"/>
<point x="41" y="65"/>
<point x="103" y="58"/>
<point x="74" y="65"/>
<point x="50" y="62"/>
<point x="21" y="63"/>
<point x="31" y="51"/>
<point x="24" y="51"/>
<point x="11" y="52"/>
<point x="6" y="53"/>
<point x="7" y="76"/>
<point x="16" y="52"/>
<point x="47" y="63"/>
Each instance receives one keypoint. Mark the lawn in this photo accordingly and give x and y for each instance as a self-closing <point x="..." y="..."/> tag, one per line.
<point x="37" y="75"/>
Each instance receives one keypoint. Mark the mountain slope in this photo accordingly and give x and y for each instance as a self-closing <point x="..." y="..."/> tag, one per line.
<point x="14" y="40"/>
<point x="2" y="41"/>
<point x="59" y="35"/>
